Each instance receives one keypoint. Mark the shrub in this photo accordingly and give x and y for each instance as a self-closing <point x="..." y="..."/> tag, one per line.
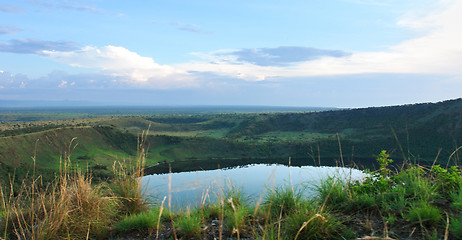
<point x="447" y="180"/>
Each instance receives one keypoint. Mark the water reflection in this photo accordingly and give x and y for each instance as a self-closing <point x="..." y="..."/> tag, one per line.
<point x="188" y="188"/>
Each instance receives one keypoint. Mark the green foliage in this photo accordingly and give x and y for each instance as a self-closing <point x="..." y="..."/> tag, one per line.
<point x="418" y="185"/>
<point x="456" y="227"/>
<point x="413" y="194"/>
<point x="384" y="161"/>
<point x="237" y="220"/>
<point x="377" y="181"/>
<point x="361" y="202"/>
<point x="306" y="224"/>
<point x="234" y="197"/>
<point x="447" y="180"/>
<point x="282" y="201"/>
<point x="143" y="221"/>
<point x="457" y="200"/>
<point x="334" y="193"/>
<point x="425" y="214"/>
<point x="189" y="224"/>
<point x="126" y="185"/>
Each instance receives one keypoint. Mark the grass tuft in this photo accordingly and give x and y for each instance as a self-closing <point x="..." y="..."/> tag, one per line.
<point x="141" y="222"/>
<point x="425" y="214"/>
<point x="189" y="224"/>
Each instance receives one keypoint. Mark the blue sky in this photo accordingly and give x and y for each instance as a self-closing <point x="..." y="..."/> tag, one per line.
<point x="330" y="53"/>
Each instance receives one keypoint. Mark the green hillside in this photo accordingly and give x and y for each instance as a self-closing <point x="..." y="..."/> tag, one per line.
<point x="414" y="132"/>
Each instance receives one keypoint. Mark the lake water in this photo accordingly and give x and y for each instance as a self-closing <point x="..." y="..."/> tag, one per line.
<point x="188" y="188"/>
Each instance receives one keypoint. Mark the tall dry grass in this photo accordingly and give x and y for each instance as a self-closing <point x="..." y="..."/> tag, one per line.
<point x="71" y="206"/>
<point x="127" y="181"/>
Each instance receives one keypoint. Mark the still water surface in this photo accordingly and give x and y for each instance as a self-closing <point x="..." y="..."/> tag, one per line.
<point x="188" y="188"/>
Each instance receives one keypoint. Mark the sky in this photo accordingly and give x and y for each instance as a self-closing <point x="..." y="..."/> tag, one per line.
<point x="324" y="53"/>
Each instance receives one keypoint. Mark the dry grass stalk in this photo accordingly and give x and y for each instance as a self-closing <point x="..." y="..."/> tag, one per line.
<point x="160" y="215"/>
<point x="317" y="215"/>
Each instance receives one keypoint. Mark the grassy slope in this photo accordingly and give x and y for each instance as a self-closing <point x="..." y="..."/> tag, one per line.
<point x="421" y="128"/>
<point x="89" y="148"/>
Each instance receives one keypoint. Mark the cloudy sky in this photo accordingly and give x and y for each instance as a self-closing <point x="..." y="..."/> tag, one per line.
<point x="330" y="53"/>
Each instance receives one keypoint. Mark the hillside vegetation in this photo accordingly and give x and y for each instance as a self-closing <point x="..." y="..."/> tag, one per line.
<point x="78" y="178"/>
<point x="412" y="202"/>
<point x="417" y="133"/>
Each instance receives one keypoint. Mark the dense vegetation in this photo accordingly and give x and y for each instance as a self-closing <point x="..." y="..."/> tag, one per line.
<point x="413" y="202"/>
<point x="71" y="176"/>
<point x="418" y="133"/>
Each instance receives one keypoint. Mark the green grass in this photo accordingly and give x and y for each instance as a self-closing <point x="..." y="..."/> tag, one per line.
<point x="74" y="207"/>
<point x="408" y="196"/>
<point x="424" y="214"/>
<point x="141" y="222"/>
<point x="309" y="223"/>
<point x="414" y="195"/>
<point x="291" y="136"/>
<point x="220" y="133"/>
<point x="282" y="201"/>
<point x="190" y="224"/>
<point x="456" y="227"/>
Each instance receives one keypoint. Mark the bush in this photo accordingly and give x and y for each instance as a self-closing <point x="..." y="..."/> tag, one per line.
<point x="447" y="180"/>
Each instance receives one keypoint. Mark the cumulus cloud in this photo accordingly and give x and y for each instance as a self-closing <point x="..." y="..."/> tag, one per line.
<point x="436" y="51"/>
<point x="35" y="46"/>
<point x="124" y="65"/>
<point x="9" y="80"/>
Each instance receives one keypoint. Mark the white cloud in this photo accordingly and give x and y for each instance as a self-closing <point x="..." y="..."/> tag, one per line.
<point x="124" y="64"/>
<point x="436" y="51"/>
<point x="63" y="84"/>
